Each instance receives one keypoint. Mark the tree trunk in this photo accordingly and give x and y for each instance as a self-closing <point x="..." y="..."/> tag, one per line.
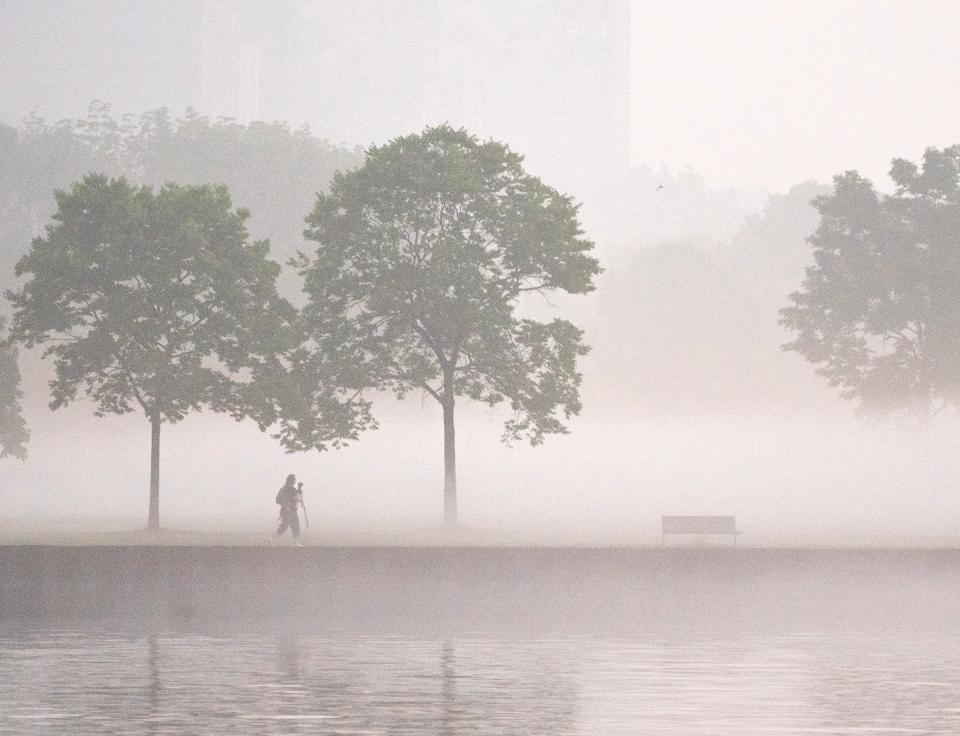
<point x="449" y="456"/>
<point x="153" y="520"/>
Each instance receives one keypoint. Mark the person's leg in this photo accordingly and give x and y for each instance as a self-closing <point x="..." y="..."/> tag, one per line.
<point x="284" y="523"/>
<point x="295" y="524"/>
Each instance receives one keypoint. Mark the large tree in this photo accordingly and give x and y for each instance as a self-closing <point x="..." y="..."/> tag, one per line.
<point x="13" y="429"/>
<point x="423" y="256"/>
<point x="879" y="312"/>
<point x="148" y="300"/>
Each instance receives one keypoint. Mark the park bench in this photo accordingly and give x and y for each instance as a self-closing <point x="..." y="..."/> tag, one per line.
<point x="699" y="525"/>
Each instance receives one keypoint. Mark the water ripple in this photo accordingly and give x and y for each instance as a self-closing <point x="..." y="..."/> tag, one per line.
<point x="87" y="683"/>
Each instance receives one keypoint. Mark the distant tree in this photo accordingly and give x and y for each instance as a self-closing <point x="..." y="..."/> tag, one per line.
<point x="879" y="312"/>
<point x="273" y="170"/>
<point x="700" y="318"/>
<point x="148" y="299"/>
<point x="423" y="254"/>
<point x="13" y="429"/>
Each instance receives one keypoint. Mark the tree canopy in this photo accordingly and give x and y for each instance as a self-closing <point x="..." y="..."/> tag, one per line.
<point x="423" y="256"/>
<point x="273" y="170"/>
<point x="879" y="312"/>
<point x="13" y="429"/>
<point x="148" y="300"/>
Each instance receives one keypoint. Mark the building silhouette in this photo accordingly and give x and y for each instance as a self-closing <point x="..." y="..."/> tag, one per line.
<point x="550" y="77"/>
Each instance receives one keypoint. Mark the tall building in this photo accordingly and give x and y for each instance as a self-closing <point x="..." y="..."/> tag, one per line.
<point x="550" y="76"/>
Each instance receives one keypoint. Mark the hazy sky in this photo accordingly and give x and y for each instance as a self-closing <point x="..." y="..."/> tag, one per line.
<point x="749" y="93"/>
<point x="772" y="92"/>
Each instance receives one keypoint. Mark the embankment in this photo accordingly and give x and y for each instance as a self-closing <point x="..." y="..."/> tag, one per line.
<point x="608" y="591"/>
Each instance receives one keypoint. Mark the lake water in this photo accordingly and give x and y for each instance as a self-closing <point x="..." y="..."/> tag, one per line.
<point x="80" y="682"/>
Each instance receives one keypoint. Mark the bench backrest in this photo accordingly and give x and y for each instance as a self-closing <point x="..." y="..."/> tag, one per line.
<point x="699" y="524"/>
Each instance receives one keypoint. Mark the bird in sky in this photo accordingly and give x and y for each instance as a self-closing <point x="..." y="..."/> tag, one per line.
<point x="660" y="187"/>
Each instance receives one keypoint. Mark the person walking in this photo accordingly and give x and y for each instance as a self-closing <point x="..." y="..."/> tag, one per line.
<point x="289" y="497"/>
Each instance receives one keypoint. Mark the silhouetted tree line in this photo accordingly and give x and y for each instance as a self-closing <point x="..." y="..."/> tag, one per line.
<point x="693" y="327"/>
<point x="158" y="300"/>
<point x="154" y="297"/>
<point x="273" y="170"/>
<point x="690" y="327"/>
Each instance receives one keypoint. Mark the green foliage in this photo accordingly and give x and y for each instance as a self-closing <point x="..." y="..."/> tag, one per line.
<point x="309" y="393"/>
<point x="148" y="299"/>
<point x="423" y="255"/>
<point x="879" y="312"/>
<point x="269" y="168"/>
<point x="13" y="429"/>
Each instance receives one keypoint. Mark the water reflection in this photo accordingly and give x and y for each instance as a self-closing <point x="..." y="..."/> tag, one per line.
<point x="82" y="683"/>
<point x="153" y="683"/>
<point x="288" y="657"/>
<point x="448" y="690"/>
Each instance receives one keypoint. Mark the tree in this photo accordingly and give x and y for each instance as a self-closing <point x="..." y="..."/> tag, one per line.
<point x="423" y="256"/>
<point x="269" y="167"/>
<point x="148" y="299"/>
<point x="709" y="310"/>
<point x="13" y="430"/>
<point x="879" y="312"/>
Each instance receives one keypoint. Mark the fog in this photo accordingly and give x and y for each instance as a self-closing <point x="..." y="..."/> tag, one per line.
<point x="790" y="480"/>
<point x="695" y="139"/>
